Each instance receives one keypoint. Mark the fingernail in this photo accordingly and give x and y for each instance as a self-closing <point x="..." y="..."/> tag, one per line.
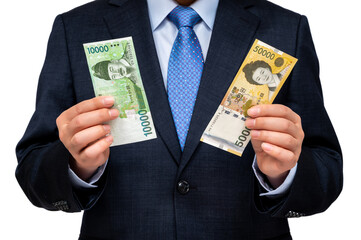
<point x="250" y="123"/>
<point x="267" y="147"/>
<point x="253" y="111"/>
<point x="106" y="128"/>
<point x="113" y="112"/>
<point x="108" y="101"/>
<point x="109" y="138"/>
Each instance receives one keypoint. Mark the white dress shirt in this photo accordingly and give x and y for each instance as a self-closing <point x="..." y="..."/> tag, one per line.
<point x="164" y="34"/>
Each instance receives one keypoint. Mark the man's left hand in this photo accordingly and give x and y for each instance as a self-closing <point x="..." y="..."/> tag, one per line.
<point x="277" y="138"/>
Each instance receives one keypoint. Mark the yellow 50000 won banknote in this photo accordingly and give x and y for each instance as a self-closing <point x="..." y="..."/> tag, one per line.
<point x="258" y="81"/>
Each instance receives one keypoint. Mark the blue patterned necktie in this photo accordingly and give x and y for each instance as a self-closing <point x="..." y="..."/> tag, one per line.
<point x="184" y="69"/>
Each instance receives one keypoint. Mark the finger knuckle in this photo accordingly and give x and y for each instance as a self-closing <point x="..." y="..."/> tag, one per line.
<point x="293" y="163"/>
<point x="58" y="121"/>
<point x="82" y="161"/>
<point x="78" y="108"/>
<point x="88" y="154"/>
<point x="75" y="140"/>
<point x="284" y="110"/>
<point x="290" y="163"/>
<point x="290" y="141"/>
<point x="287" y="126"/>
<point x="78" y="122"/>
<point x="292" y="158"/>
<point x="61" y="136"/>
<point x="100" y="161"/>
<point x="302" y="134"/>
<point x="62" y="132"/>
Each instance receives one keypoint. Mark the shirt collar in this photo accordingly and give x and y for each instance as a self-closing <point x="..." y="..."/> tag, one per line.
<point x="159" y="10"/>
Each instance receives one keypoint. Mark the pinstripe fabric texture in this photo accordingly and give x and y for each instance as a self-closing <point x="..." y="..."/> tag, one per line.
<point x="184" y="69"/>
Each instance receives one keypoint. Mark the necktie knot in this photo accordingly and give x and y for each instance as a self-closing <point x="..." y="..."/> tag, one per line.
<point x="184" y="17"/>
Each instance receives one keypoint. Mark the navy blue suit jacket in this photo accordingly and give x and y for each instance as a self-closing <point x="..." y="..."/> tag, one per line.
<point x="137" y="197"/>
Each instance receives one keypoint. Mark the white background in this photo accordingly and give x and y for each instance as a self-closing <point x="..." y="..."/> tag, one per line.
<point x="25" y="28"/>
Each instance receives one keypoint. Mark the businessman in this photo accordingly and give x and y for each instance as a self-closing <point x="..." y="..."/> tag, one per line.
<point x="175" y="187"/>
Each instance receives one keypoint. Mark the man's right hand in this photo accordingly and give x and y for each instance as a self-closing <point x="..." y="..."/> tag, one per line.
<point x="84" y="134"/>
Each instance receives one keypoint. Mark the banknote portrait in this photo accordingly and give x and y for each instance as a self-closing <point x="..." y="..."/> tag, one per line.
<point x="113" y="69"/>
<point x="260" y="73"/>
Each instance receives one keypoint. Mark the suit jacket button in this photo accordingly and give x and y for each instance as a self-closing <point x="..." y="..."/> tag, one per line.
<point x="183" y="187"/>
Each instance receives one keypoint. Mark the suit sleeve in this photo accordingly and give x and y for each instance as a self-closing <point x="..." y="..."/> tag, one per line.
<point x="42" y="170"/>
<point x="319" y="179"/>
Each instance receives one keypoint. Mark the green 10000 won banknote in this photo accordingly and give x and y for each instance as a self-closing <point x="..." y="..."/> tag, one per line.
<point x="258" y="81"/>
<point x="114" y="72"/>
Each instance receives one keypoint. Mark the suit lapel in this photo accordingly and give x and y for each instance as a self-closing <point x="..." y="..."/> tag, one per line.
<point x="233" y="35"/>
<point x="130" y="18"/>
